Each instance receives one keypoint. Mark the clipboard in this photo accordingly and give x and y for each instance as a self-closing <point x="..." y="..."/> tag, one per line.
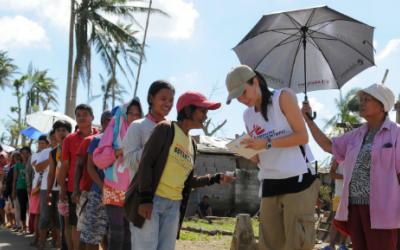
<point x="240" y="149"/>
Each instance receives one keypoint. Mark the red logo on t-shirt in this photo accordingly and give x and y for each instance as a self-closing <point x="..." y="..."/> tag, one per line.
<point x="257" y="130"/>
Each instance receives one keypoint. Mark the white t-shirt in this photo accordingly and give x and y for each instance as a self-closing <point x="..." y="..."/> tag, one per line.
<point x="36" y="175"/>
<point x="339" y="182"/>
<point x="41" y="157"/>
<point x="276" y="163"/>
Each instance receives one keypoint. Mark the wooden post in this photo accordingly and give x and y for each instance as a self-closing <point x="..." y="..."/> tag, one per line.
<point x="243" y="237"/>
<point x="397" y="108"/>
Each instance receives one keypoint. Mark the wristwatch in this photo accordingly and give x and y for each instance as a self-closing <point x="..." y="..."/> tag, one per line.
<point x="268" y="145"/>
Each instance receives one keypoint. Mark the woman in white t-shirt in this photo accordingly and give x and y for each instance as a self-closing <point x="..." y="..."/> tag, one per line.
<point x="288" y="187"/>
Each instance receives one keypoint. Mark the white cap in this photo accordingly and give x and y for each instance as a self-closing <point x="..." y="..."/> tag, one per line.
<point x="382" y="94"/>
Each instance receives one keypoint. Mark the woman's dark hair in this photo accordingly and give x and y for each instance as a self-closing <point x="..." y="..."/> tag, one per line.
<point x="135" y="102"/>
<point x="62" y="124"/>
<point x="155" y="87"/>
<point x="52" y="133"/>
<point x="186" y="113"/>
<point x="266" y="94"/>
<point x="16" y="154"/>
<point x="27" y="149"/>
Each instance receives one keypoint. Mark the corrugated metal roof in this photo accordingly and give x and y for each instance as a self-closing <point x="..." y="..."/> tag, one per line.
<point x="212" y="145"/>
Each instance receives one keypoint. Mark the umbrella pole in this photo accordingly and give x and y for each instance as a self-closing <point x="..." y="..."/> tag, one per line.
<point x="304" y="30"/>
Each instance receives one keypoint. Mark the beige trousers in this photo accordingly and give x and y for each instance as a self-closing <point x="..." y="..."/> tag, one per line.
<point x="287" y="221"/>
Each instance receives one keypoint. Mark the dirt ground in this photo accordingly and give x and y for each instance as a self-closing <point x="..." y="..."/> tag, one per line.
<point x="223" y="243"/>
<point x="209" y="245"/>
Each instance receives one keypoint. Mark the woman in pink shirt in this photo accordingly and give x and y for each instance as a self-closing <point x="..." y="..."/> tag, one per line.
<point x="369" y="210"/>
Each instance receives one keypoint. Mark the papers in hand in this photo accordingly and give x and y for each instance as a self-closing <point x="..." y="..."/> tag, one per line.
<point x="240" y="149"/>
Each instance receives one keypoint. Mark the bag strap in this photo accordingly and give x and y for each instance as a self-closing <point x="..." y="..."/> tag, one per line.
<point x="303" y="152"/>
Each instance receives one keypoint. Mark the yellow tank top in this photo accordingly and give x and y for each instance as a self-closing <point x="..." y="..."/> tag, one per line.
<point x="178" y="166"/>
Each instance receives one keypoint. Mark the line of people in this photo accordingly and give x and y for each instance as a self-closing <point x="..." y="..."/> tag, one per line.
<point x="79" y="180"/>
<point x="127" y="185"/>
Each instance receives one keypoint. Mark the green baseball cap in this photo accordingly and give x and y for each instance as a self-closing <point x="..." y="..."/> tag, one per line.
<point x="236" y="81"/>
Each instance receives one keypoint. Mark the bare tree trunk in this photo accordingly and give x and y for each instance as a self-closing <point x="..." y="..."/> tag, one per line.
<point x="113" y="81"/>
<point x="105" y="102"/>
<point x="142" y="48"/>
<point x="68" y="96"/>
<point x="113" y="92"/>
<point x="74" y="89"/>
<point x="19" y="97"/>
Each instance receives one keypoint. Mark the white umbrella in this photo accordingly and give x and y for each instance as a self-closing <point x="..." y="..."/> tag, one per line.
<point x="7" y="148"/>
<point x="43" y="120"/>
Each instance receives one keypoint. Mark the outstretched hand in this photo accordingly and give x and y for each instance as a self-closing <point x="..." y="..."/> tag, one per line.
<point x="225" y="179"/>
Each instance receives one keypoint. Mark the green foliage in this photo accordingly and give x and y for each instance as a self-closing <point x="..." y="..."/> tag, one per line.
<point x="347" y="107"/>
<point x="325" y="193"/>
<point x="115" y="43"/>
<point x="41" y="90"/>
<point x="35" y="91"/>
<point x="7" y="69"/>
<point x="185" y="235"/>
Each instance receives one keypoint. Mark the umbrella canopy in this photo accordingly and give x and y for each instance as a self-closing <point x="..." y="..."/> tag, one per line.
<point x="43" y="120"/>
<point x="7" y="148"/>
<point x="31" y="133"/>
<point x="319" y="46"/>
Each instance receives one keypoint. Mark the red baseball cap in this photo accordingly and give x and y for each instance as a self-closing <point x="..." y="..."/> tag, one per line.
<point x="195" y="99"/>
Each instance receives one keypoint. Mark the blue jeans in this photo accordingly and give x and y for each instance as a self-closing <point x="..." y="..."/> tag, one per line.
<point x="158" y="233"/>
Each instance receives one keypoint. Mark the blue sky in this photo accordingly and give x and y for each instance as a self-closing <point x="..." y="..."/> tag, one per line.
<point x="191" y="48"/>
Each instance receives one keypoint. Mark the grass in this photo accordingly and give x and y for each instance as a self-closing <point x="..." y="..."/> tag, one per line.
<point x="226" y="224"/>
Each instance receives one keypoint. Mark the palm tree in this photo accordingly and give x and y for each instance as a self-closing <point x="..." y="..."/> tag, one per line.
<point x="92" y="28"/>
<point x="18" y="86"/>
<point x="36" y="90"/>
<point x="347" y="117"/>
<point x="7" y="68"/>
<point x="41" y="90"/>
<point x="113" y="90"/>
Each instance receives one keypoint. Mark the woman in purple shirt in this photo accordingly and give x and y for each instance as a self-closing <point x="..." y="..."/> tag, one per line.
<point x="370" y="206"/>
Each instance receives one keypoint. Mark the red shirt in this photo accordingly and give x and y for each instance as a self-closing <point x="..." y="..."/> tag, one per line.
<point x="70" y="150"/>
<point x="86" y="181"/>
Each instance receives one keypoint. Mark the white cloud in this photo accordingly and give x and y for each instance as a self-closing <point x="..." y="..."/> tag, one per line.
<point x="322" y="110"/>
<point x="390" y="48"/>
<point x="185" y="81"/>
<point x="56" y="12"/>
<point x="21" y="32"/>
<point x="178" y="25"/>
<point x="181" y="21"/>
